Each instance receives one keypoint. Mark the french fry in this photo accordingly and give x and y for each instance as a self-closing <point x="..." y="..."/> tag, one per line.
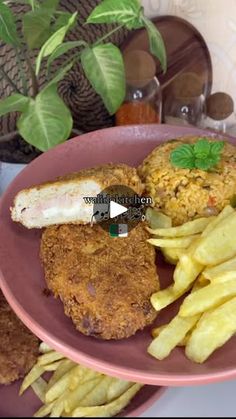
<point x="78" y="394"/>
<point x="65" y="366"/>
<point x="157" y="219"/>
<point x="178" y="243"/>
<point x="172" y="254"/>
<point x="39" y="386"/>
<point x="209" y="250"/>
<point x="60" y="386"/>
<point x="44" y="348"/>
<point x="200" y="282"/>
<point x="117" y="388"/>
<point x="214" y="329"/>
<point x="53" y="366"/>
<point x="221" y="273"/>
<point x="167" y="296"/>
<point x="32" y="376"/>
<point x="185" y="340"/>
<point x="72" y="387"/>
<point x="186" y="229"/>
<point x="58" y="404"/>
<point x="187" y="269"/>
<point x="81" y="375"/>
<point x="44" y="410"/>
<point x="98" y="395"/>
<point x="49" y="357"/>
<point x="110" y="409"/>
<point x="217" y="220"/>
<point x="207" y="298"/>
<point x="171" y="336"/>
<point x="156" y="331"/>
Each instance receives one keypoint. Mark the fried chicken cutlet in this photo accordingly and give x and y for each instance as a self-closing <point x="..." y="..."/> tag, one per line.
<point x="62" y="201"/>
<point x="18" y="346"/>
<point x="104" y="282"/>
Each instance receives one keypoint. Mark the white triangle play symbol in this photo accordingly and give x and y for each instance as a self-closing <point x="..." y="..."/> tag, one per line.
<point x="116" y="209"/>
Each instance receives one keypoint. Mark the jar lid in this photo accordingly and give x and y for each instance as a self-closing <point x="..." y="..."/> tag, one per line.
<point x="140" y="67"/>
<point x="187" y="84"/>
<point x="219" y="106"/>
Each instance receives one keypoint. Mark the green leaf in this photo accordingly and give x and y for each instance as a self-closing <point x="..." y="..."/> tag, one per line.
<point x="217" y="147"/>
<point x="62" y="20"/>
<point x="202" y="148"/>
<point x="204" y="164"/>
<point x="8" y="32"/>
<point x="52" y="43"/>
<point x="49" y="5"/>
<point x="59" y="75"/>
<point x="62" y="49"/>
<point x="14" y="103"/>
<point x="104" y="68"/>
<point x="203" y="155"/>
<point x="183" y="157"/>
<point x="156" y="43"/>
<point x="36" y="28"/>
<point x="47" y="121"/>
<point x="125" y="12"/>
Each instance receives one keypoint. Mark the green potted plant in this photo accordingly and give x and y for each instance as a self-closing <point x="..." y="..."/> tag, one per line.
<point x="44" y="119"/>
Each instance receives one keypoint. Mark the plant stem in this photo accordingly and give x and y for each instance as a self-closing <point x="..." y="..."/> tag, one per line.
<point x="35" y="85"/>
<point x="8" y="137"/>
<point x="21" y="70"/>
<point x="99" y="41"/>
<point x="12" y="84"/>
<point x="73" y="59"/>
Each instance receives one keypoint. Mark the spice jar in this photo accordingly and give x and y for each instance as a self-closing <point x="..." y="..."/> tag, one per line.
<point x="142" y="103"/>
<point x="184" y="104"/>
<point x="220" y="114"/>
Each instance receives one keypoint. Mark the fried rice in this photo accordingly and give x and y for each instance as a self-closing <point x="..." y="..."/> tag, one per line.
<point x="186" y="194"/>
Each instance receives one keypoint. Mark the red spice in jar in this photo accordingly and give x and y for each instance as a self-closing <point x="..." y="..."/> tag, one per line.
<point x="136" y="113"/>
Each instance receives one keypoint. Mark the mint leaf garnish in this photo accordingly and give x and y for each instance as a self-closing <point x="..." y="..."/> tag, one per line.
<point x="202" y="148"/>
<point x="203" y="155"/>
<point x="183" y="156"/>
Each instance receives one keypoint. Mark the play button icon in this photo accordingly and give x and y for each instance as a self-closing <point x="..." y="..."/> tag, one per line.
<point x="116" y="209"/>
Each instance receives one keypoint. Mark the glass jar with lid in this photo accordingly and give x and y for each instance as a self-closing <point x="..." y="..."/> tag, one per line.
<point x="220" y="115"/>
<point x="142" y="104"/>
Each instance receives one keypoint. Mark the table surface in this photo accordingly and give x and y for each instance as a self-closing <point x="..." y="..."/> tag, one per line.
<point x="212" y="400"/>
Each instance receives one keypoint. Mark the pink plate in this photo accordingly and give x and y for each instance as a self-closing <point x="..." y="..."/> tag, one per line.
<point x="22" y="279"/>
<point x="13" y="405"/>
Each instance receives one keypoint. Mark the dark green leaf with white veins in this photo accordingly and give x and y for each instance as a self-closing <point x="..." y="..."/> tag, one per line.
<point x="14" y="103"/>
<point x="8" y="32"/>
<point x="47" y="120"/>
<point x="156" y="43"/>
<point x="125" y="12"/>
<point x="104" y="68"/>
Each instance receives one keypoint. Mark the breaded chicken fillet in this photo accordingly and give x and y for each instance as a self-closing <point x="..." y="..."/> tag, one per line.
<point x="62" y="201"/>
<point x="105" y="283"/>
<point x="18" y="346"/>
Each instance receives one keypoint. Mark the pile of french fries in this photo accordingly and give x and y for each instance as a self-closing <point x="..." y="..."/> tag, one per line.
<point x="74" y="390"/>
<point x="204" y="251"/>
